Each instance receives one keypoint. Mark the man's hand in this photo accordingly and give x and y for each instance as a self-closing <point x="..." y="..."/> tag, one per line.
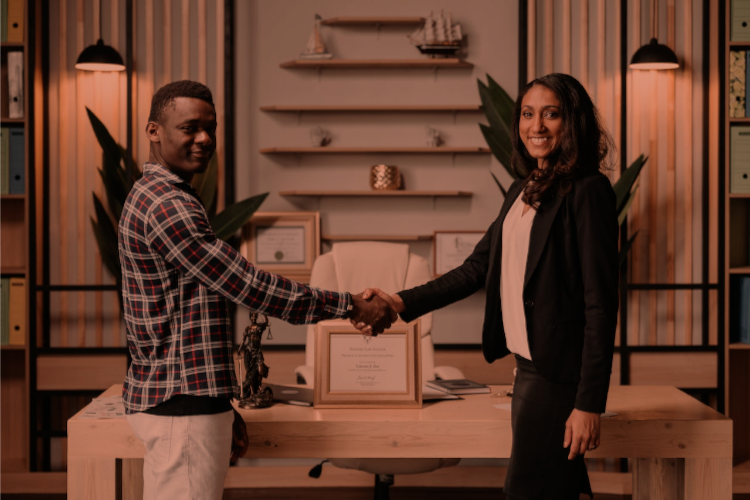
<point x="394" y="301"/>
<point x="239" y="438"/>
<point x="581" y="433"/>
<point x="374" y="312"/>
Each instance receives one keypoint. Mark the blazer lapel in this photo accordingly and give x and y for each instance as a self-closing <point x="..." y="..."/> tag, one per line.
<point x="540" y="229"/>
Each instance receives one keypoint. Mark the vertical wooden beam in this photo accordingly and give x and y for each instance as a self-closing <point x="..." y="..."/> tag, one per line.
<point x="617" y="88"/>
<point x="99" y="88"/>
<point x="634" y="218"/>
<point x="585" y="43"/>
<point x="670" y="180"/>
<point x="713" y="172"/>
<point x="202" y="38"/>
<point x="549" y="37"/>
<point x="167" y="77"/>
<point x="63" y="115"/>
<point x="185" y="39"/>
<point x="653" y="200"/>
<point x="81" y="219"/>
<point x="532" y="41"/>
<point x="687" y="86"/>
<point x="221" y="109"/>
<point x="601" y="47"/>
<point x="117" y="92"/>
<point x="566" y="37"/>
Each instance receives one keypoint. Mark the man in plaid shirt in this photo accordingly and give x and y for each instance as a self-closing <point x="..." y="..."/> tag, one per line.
<point x="177" y="277"/>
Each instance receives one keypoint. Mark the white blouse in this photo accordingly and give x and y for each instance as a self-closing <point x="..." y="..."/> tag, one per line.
<point x="516" y="234"/>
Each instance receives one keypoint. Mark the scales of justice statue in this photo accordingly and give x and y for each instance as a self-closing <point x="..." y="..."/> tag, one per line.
<point x="253" y="366"/>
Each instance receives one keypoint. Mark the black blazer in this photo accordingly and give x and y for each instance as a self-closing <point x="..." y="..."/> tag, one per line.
<point x="570" y="288"/>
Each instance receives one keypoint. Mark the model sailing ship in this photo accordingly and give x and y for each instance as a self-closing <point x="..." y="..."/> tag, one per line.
<point x="438" y="36"/>
<point x="315" y="49"/>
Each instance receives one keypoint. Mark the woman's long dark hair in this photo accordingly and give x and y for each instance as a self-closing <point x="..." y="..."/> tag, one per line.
<point x="584" y="147"/>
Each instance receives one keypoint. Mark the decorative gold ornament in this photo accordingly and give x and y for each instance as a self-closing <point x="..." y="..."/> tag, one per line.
<point x="385" y="177"/>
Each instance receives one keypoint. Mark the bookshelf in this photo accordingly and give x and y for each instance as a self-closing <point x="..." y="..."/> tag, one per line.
<point x="15" y="216"/>
<point x="736" y="264"/>
<point x="375" y="150"/>
<point x="447" y="63"/>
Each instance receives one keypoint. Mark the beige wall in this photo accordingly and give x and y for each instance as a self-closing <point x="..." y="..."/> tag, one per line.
<point x="269" y="33"/>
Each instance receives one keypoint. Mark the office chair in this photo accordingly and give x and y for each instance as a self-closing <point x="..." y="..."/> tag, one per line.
<point x="352" y="267"/>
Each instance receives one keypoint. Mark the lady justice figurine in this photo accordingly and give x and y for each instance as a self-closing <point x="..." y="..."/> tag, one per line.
<point x="255" y="370"/>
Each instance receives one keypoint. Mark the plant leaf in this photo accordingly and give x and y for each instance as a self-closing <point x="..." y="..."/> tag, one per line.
<point x="624" y="211"/>
<point x="228" y="222"/>
<point x="108" y="144"/>
<point x="625" y="183"/>
<point x="503" y="102"/>
<point x="626" y="248"/>
<point x="499" y="150"/>
<point x="205" y="183"/>
<point x="106" y="238"/>
<point x="502" y="189"/>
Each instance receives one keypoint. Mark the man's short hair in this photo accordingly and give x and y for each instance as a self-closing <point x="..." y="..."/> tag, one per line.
<point x="166" y="95"/>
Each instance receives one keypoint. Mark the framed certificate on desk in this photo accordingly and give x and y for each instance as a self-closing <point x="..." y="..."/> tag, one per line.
<point x="356" y="371"/>
<point x="285" y="243"/>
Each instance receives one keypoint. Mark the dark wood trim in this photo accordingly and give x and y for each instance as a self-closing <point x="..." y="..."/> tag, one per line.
<point x="523" y="43"/>
<point x="229" y="104"/>
<point x="721" y="337"/>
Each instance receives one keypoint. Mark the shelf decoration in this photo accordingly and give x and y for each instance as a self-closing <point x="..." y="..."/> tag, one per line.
<point x="433" y="137"/>
<point x="319" y="137"/>
<point x="438" y="36"/>
<point x="315" y="49"/>
<point x="385" y="177"/>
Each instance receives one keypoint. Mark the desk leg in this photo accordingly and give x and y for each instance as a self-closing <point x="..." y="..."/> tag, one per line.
<point x="708" y="479"/>
<point x="658" y="478"/>
<point x="93" y="478"/>
<point x="132" y="479"/>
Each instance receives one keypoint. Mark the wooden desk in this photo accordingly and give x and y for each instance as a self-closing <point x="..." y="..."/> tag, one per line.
<point x="682" y="448"/>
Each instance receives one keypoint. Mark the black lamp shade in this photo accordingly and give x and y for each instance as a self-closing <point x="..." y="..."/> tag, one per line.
<point x="100" y="57"/>
<point x="654" y="56"/>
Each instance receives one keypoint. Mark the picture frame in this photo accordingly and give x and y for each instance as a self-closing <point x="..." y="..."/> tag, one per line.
<point x="451" y="248"/>
<point x="356" y="371"/>
<point x="283" y="243"/>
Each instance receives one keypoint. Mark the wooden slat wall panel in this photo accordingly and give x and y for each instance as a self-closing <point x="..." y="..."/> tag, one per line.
<point x="665" y="211"/>
<point x="549" y="37"/>
<point x="92" y="319"/>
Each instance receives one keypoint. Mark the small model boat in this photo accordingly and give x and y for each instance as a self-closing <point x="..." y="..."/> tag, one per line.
<point x="315" y="49"/>
<point x="438" y="36"/>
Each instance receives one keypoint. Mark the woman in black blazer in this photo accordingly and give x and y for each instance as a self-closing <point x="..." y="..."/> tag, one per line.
<point x="552" y="292"/>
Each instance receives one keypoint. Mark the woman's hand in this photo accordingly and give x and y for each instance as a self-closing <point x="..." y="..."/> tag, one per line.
<point x="239" y="438"/>
<point x="581" y="432"/>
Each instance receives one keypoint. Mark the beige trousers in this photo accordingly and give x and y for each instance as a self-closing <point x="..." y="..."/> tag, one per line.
<point x="187" y="457"/>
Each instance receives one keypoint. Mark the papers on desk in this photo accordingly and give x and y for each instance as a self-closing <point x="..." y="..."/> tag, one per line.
<point x="430" y="394"/>
<point x="101" y="408"/>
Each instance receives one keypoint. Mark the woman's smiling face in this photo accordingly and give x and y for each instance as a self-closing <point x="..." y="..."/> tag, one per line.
<point x="540" y="124"/>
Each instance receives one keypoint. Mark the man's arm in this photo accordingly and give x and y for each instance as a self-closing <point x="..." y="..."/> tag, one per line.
<point x="178" y="230"/>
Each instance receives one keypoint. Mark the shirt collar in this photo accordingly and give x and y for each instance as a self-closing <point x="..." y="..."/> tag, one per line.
<point x="159" y="170"/>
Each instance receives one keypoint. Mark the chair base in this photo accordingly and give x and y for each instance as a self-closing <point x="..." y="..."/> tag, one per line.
<point x="383" y="484"/>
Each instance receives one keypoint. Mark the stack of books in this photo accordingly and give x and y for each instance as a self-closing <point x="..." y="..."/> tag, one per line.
<point x="12" y="311"/>
<point x="458" y="387"/>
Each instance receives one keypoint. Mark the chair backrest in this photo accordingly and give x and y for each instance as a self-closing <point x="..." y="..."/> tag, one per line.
<point x="354" y="266"/>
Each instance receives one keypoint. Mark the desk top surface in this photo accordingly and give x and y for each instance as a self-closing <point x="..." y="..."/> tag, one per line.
<point x="631" y="403"/>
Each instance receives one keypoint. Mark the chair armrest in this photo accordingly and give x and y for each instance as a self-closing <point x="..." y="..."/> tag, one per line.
<point x="305" y="375"/>
<point x="448" y="373"/>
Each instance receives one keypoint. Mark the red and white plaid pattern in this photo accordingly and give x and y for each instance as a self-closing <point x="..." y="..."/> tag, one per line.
<point x="177" y="276"/>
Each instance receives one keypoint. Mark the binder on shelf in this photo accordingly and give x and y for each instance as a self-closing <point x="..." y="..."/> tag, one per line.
<point x="16" y="161"/>
<point x="15" y="84"/>
<point x="3" y="23"/>
<point x="747" y="79"/>
<point x="739" y="159"/>
<point x="4" y="159"/>
<point x="4" y="303"/>
<point x="14" y="21"/>
<point x="737" y="74"/>
<point x="739" y="309"/>
<point x="17" y="311"/>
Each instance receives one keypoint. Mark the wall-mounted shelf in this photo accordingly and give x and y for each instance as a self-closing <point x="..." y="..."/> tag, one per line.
<point x="739" y="120"/>
<point x="13" y="270"/>
<point x="447" y="63"/>
<point x="739" y="270"/>
<point x="372" y="21"/>
<point x="19" y="45"/>
<point x="373" y="109"/>
<point x="737" y="345"/>
<point x="363" y="150"/>
<point x="11" y="121"/>
<point x="381" y="194"/>
<point x="20" y="197"/>
<point x="739" y="195"/>
<point x="13" y="347"/>
<point x="380" y="237"/>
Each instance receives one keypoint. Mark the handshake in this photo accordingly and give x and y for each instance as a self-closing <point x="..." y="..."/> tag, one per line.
<point x="374" y="311"/>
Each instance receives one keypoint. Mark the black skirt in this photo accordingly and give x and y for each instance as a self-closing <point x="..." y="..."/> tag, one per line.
<point x="539" y="468"/>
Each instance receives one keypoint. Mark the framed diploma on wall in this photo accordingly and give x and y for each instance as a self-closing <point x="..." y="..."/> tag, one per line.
<point x="355" y="371"/>
<point x="285" y="243"/>
<point x="450" y="249"/>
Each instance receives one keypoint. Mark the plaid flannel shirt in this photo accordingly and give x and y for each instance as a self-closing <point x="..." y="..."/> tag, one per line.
<point x="176" y="277"/>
